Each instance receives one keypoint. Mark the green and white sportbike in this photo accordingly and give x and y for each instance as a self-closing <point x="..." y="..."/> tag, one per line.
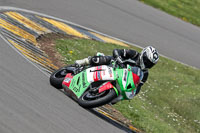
<point x="98" y="85"/>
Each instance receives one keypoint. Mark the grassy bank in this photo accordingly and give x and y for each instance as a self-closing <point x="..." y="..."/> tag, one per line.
<point x="168" y="102"/>
<point x="187" y="10"/>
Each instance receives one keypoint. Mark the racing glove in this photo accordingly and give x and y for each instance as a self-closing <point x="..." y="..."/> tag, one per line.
<point x="119" y="60"/>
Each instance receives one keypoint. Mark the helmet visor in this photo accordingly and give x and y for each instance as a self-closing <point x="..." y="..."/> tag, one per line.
<point x="147" y="62"/>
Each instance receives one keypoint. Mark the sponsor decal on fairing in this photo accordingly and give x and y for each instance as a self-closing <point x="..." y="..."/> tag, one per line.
<point x="68" y="79"/>
<point x="124" y="78"/>
<point x="100" y="73"/>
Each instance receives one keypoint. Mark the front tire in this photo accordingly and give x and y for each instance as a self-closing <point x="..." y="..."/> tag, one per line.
<point x="87" y="101"/>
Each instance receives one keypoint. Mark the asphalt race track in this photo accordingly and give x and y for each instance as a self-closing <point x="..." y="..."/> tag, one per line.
<point x="29" y="104"/>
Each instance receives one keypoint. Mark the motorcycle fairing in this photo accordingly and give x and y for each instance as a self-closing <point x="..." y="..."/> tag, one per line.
<point x="100" y="73"/>
<point x="105" y="86"/>
<point x="68" y="79"/>
<point x="126" y="83"/>
<point x="79" y="83"/>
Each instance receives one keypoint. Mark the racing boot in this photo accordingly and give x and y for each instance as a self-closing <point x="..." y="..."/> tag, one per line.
<point x="100" y="54"/>
<point x="85" y="61"/>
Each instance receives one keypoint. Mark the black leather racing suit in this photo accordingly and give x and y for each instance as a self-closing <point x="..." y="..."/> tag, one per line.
<point x="124" y="54"/>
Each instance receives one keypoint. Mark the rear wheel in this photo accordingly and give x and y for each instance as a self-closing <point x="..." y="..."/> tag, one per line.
<point x="58" y="76"/>
<point x="90" y="99"/>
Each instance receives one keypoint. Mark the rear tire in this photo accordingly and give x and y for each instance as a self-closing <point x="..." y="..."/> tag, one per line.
<point x="85" y="102"/>
<point x="58" y="76"/>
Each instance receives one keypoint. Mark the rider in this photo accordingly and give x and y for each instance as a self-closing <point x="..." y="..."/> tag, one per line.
<point x="145" y="60"/>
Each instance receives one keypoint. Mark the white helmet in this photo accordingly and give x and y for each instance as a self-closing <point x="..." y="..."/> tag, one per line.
<point x="149" y="57"/>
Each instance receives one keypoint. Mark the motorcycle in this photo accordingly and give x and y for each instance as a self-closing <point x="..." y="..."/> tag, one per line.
<point x="93" y="86"/>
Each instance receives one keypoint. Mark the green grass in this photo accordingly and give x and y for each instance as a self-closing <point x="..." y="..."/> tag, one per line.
<point x="168" y="103"/>
<point x="187" y="10"/>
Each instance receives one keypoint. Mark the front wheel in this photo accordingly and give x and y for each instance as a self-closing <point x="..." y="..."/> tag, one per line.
<point x="90" y="100"/>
